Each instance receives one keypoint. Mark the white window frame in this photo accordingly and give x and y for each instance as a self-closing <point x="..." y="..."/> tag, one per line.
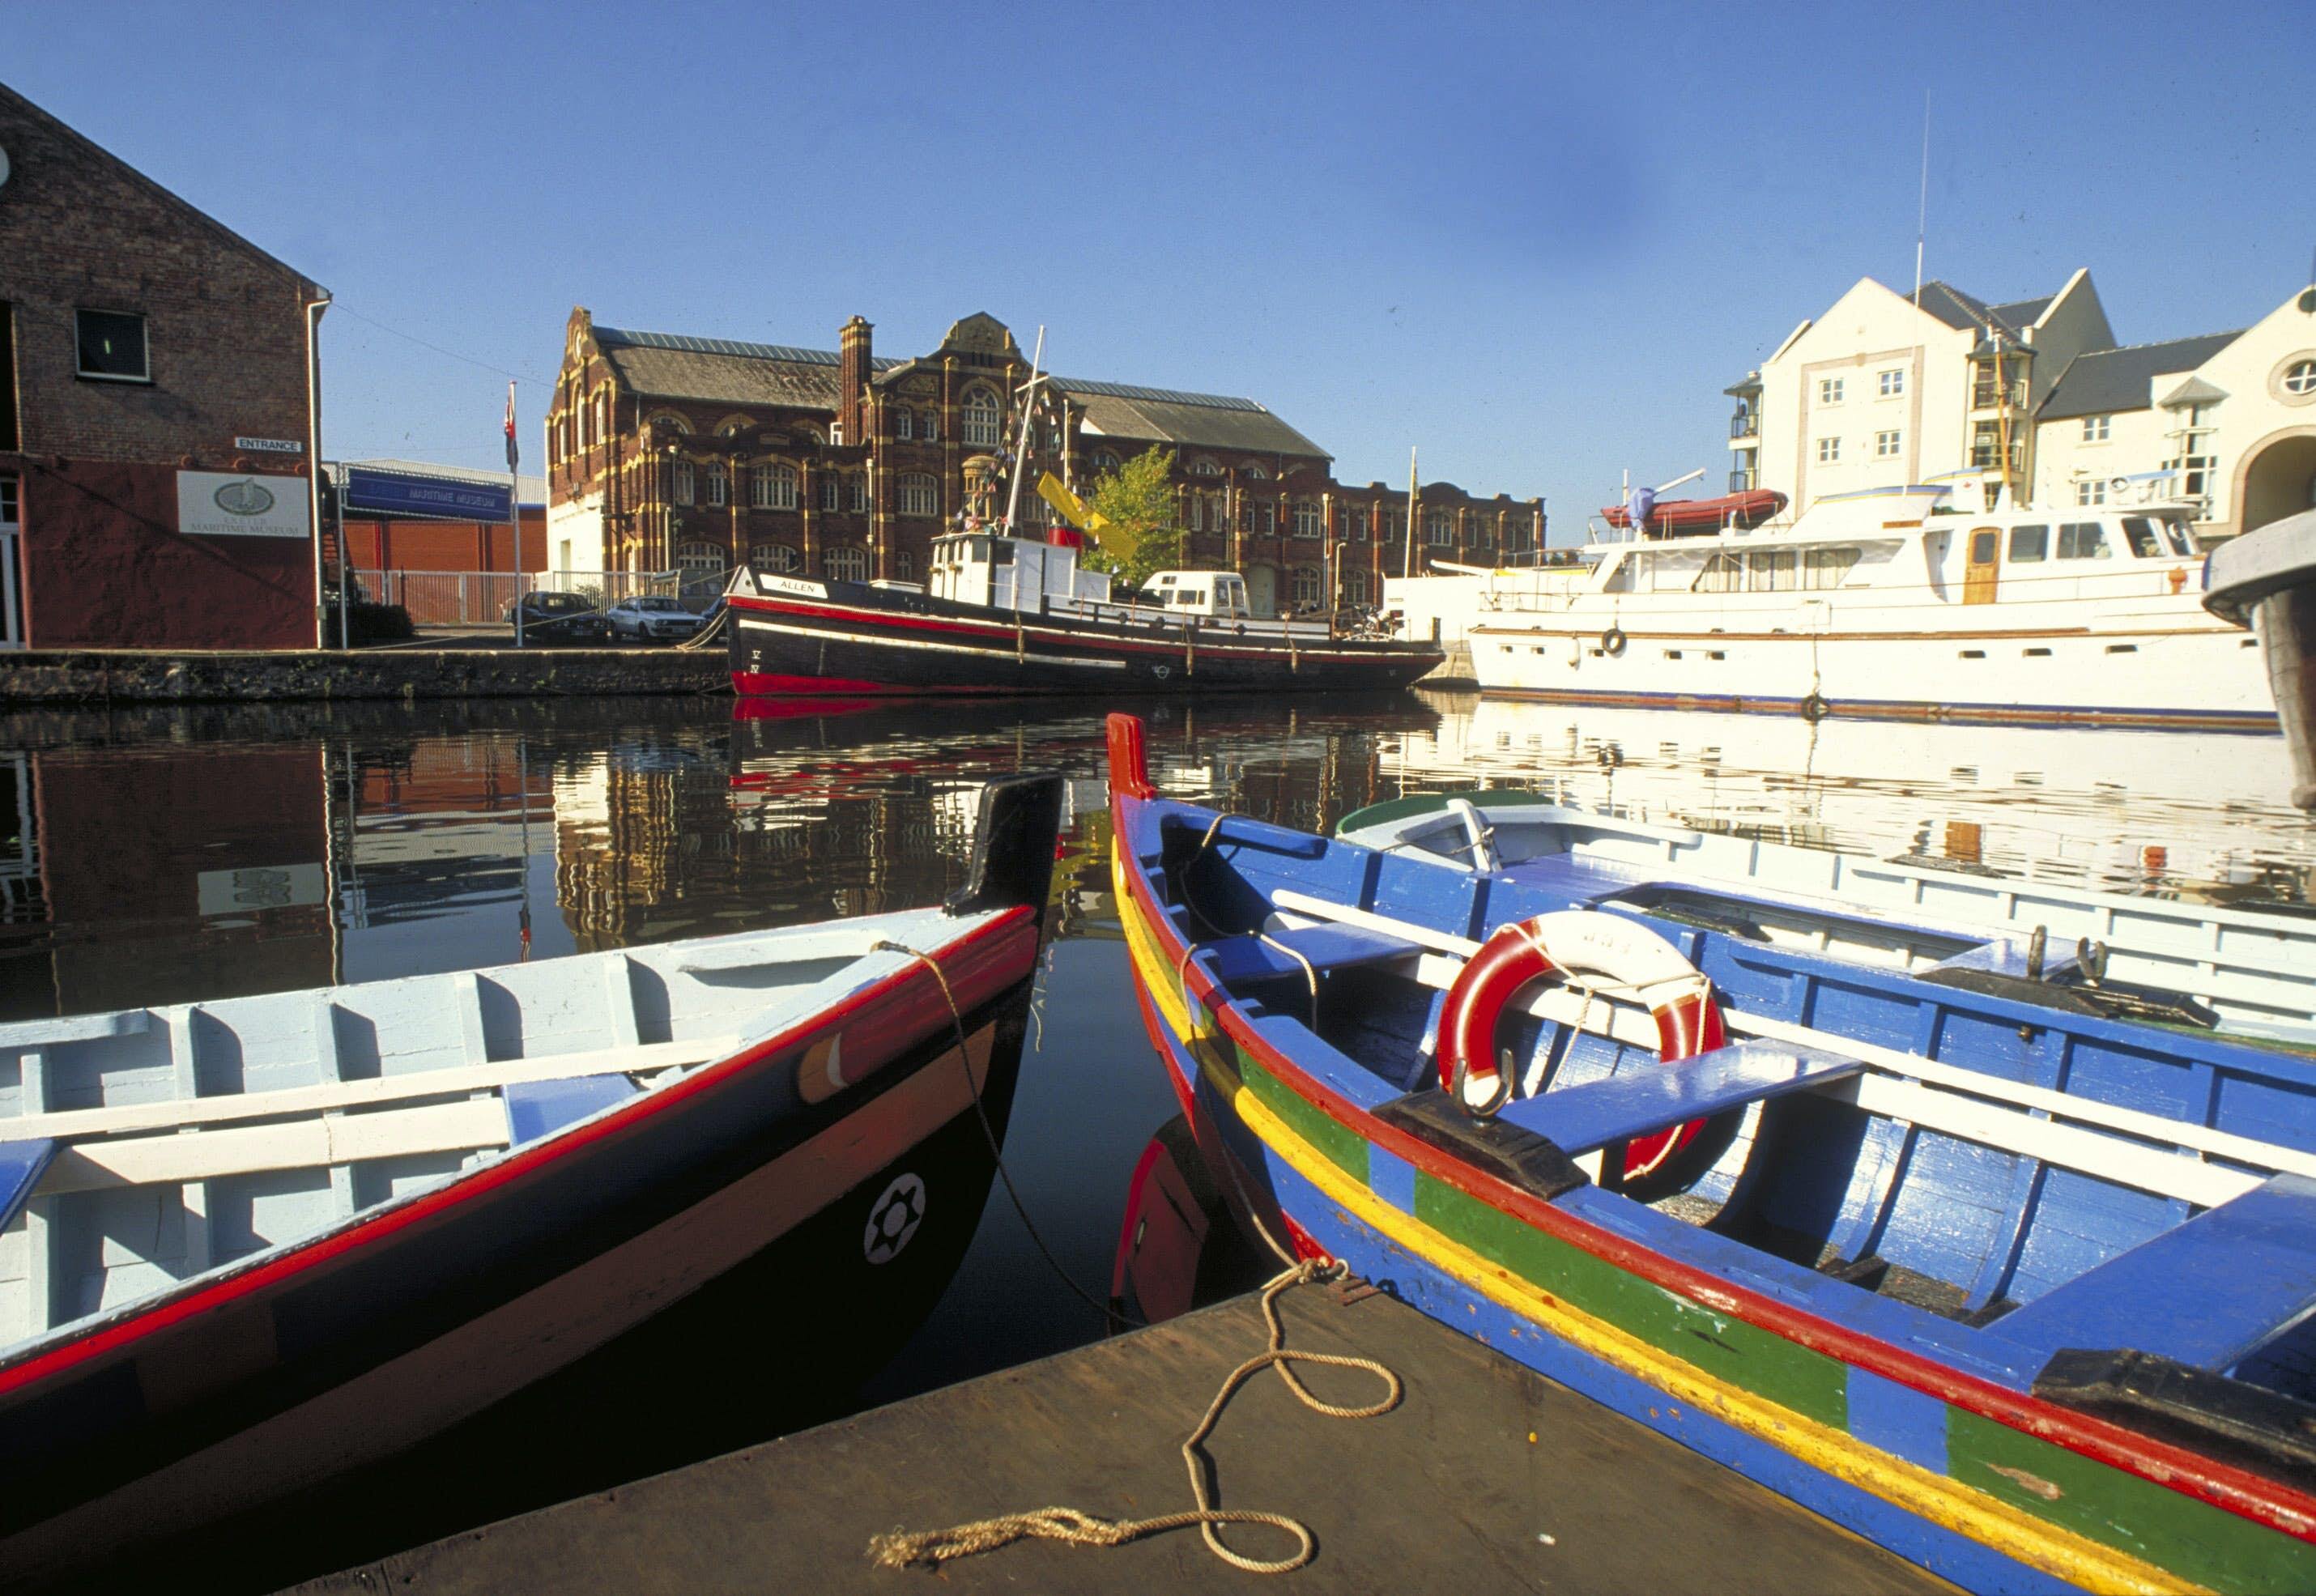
<point x="2097" y="428"/>
<point x="720" y="486"/>
<point x="1887" y="444"/>
<point x="1893" y="382"/>
<point x="920" y="494"/>
<point x="2299" y="379"/>
<point x="845" y="562"/>
<point x="985" y="419"/>
<point x="694" y="558"/>
<point x="686" y="483"/>
<point x="1829" y="390"/>
<point x="1308" y="521"/>
<point x="904" y="424"/>
<point x="777" y="558"/>
<point x="773" y="486"/>
<point x="855" y="492"/>
<point x="1828" y="451"/>
<point x="2090" y="492"/>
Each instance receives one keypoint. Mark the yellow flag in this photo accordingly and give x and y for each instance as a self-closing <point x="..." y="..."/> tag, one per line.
<point x="1114" y="539"/>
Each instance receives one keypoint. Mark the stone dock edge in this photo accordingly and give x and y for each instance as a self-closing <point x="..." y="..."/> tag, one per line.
<point x="42" y="677"/>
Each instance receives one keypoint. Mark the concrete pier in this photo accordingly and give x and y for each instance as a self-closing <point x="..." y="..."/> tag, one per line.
<point x="1486" y="1477"/>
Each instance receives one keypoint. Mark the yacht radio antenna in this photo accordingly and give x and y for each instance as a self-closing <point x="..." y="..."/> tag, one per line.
<point x="1922" y="216"/>
<point x="1021" y="434"/>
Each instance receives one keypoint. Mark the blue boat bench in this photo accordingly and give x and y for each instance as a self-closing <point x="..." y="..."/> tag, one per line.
<point x="2206" y="1294"/>
<point x="22" y="1164"/>
<point x="1250" y="959"/>
<point x="1641" y="1101"/>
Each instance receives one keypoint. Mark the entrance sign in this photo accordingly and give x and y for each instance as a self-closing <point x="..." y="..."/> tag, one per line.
<point x="226" y="505"/>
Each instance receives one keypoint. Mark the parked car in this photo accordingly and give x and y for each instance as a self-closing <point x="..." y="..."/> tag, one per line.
<point x="654" y="619"/>
<point x="559" y="618"/>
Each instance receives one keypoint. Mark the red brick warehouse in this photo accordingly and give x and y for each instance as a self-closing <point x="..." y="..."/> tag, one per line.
<point x="667" y="451"/>
<point x="154" y="415"/>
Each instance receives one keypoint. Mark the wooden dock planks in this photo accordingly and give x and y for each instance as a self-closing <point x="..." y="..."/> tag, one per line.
<point x="1445" y="1492"/>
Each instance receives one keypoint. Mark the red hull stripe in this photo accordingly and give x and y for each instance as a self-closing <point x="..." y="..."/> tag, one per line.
<point x="2235" y="1490"/>
<point x="978" y="965"/>
<point x="869" y="622"/>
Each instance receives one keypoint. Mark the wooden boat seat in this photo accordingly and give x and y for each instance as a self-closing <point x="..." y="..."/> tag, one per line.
<point x="22" y="1164"/>
<point x="536" y="1109"/>
<point x="1639" y="1101"/>
<point x="2208" y="1294"/>
<point x="1245" y="960"/>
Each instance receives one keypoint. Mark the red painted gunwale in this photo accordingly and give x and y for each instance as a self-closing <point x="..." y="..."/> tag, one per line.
<point x="978" y="965"/>
<point x="2234" y="1489"/>
<point x="999" y="632"/>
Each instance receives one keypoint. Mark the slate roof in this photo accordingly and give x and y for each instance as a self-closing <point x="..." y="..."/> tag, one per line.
<point x="1966" y="312"/>
<point x="2112" y="379"/>
<point x="724" y="371"/>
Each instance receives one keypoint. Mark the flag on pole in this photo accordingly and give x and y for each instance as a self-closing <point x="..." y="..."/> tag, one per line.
<point x="510" y="427"/>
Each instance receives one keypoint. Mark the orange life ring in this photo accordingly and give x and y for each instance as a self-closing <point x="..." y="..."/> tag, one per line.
<point x="1479" y="1075"/>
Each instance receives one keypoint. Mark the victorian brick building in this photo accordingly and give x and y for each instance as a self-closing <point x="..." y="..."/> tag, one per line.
<point x="153" y="411"/>
<point x="695" y="454"/>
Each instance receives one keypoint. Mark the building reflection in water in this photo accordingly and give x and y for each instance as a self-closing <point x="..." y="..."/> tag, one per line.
<point x="169" y="856"/>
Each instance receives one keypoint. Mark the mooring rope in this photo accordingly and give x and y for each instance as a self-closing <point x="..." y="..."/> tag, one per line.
<point x="932" y="1549"/>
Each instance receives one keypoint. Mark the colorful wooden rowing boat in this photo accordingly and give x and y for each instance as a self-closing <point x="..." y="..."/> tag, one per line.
<point x="251" y="1245"/>
<point x="2248" y="970"/>
<point x="2027" y="1295"/>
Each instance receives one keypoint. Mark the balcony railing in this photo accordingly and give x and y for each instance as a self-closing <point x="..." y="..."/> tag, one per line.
<point x="1988" y="396"/>
<point x="1988" y="457"/>
<point x="1745" y="424"/>
<point x="1742" y="482"/>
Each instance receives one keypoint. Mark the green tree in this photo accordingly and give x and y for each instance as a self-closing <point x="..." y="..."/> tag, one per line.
<point x="1137" y="500"/>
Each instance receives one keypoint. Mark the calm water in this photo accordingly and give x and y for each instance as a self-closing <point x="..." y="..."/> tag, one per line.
<point x="162" y="856"/>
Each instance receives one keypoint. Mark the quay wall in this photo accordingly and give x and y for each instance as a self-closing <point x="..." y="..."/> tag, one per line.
<point x="39" y="677"/>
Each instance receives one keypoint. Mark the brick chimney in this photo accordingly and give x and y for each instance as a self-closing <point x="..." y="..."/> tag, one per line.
<point x="852" y="381"/>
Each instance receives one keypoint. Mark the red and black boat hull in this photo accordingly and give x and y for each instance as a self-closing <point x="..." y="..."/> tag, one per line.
<point x="857" y="641"/>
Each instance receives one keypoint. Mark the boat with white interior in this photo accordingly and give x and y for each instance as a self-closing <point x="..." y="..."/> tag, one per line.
<point x="1891" y="603"/>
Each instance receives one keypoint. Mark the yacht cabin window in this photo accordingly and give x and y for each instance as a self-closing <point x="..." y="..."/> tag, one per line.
<point x="2082" y="540"/>
<point x="2029" y="544"/>
<point x="2139" y="534"/>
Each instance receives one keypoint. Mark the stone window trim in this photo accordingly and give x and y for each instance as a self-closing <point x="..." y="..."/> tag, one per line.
<point x="2294" y="381"/>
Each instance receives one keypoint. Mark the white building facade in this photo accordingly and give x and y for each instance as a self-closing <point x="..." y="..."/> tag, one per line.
<point x="2034" y="397"/>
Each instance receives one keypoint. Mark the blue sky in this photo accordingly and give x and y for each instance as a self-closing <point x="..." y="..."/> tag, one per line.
<point x="1536" y="241"/>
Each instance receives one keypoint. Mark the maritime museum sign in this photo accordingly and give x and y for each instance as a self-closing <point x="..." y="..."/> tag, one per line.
<point x="238" y="505"/>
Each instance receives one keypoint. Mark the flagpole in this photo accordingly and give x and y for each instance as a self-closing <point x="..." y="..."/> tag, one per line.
<point x="514" y="512"/>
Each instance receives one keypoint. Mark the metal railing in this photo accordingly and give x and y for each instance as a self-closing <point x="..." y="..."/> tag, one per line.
<point x="483" y="598"/>
<point x="1744" y="424"/>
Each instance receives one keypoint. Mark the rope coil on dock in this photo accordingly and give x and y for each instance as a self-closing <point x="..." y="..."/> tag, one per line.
<point x="932" y="1549"/>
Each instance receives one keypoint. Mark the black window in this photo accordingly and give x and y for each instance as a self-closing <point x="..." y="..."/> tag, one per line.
<point x="111" y="343"/>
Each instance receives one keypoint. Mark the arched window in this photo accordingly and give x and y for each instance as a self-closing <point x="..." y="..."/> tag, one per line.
<point x="699" y="562"/>
<point x="920" y="494"/>
<point x="718" y="487"/>
<point x="1256" y="473"/>
<point x="983" y="423"/>
<point x="777" y="558"/>
<point x="773" y="487"/>
<point x="1104" y="461"/>
<point x="1440" y="528"/>
<point x="1355" y="586"/>
<point x="670" y="423"/>
<point x="683" y="490"/>
<point x="843" y="564"/>
<point x="1309" y="587"/>
<point x="1307" y="519"/>
<point x="1205" y="468"/>
<point x="904" y="565"/>
<point x="2299" y="381"/>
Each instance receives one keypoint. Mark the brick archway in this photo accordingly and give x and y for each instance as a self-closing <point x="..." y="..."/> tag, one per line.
<point x="2276" y="478"/>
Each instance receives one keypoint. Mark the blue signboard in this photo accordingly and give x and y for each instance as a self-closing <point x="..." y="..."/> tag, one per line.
<point x="373" y="492"/>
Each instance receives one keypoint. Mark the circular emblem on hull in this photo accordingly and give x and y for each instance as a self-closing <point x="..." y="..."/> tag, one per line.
<point x="894" y="1218"/>
<point x="1162" y="672"/>
<point x="246" y="497"/>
